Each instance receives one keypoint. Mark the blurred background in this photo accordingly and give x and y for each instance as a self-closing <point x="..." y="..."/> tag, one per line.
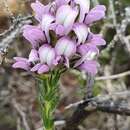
<point x="18" y="98"/>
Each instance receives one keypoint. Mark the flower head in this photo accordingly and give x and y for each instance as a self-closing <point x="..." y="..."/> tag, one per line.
<point x="63" y="37"/>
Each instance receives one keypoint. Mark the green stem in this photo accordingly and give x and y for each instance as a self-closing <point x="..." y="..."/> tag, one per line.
<point x="48" y="98"/>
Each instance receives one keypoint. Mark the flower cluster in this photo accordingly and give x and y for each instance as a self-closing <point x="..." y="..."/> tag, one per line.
<point x="62" y="37"/>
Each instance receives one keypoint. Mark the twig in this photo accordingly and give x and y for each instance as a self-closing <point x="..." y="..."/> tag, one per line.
<point x="90" y="106"/>
<point x="89" y="86"/>
<point x="21" y="113"/>
<point x="8" y="10"/>
<point x="120" y="28"/>
<point x="118" y="95"/>
<point x="112" y="77"/>
<point x="8" y="36"/>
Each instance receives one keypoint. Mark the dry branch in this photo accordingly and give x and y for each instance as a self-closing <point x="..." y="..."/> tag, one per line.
<point x="7" y="37"/>
<point x="89" y="106"/>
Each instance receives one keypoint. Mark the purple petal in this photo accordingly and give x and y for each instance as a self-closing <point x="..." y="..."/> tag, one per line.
<point x="95" y="14"/>
<point x="39" y="9"/>
<point x="43" y="69"/>
<point x="43" y="52"/>
<point x="65" y="47"/>
<point x="33" y="56"/>
<point x="100" y="7"/>
<point x="50" y="57"/>
<point x="67" y="18"/>
<point x="47" y="54"/>
<point x="96" y="39"/>
<point x="21" y="65"/>
<point x="89" y="67"/>
<point x="85" y="48"/>
<point x="34" y="35"/>
<point x="36" y="67"/>
<point x="56" y="61"/>
<point x="87" y="53"/>
<point x="47" y="20"/>
<point x="60" y="30"/>
<point x="84" y="8"/>
<point x="20" y="59"/>
<point x="81" y="31"/>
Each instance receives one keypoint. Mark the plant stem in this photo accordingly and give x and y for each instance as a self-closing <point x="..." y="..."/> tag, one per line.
<point x="48" y="97"/>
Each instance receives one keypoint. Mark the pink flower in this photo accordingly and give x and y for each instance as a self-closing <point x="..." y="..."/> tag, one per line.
<point x="66" y="16"/>
<point x="47" y="55"/>
<point x="47" y="20"/>
<point x="40" y="9"/>
<point x="95" y="14"/>
<point x="21" y="63"/>
<point x="66" y="48"/>
<point x="87" y="53"/>
<point x="84" y="8"/>
<point x="81" y="30"/>
<point x="34" y="35"/>
<point x="33" y="56"/>
<point x="96" y="40"/>
<point x="89" y="66"/>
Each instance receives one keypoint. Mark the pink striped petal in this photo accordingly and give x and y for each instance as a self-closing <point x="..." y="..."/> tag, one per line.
<point x="47" y="55"/>
<point x="21" y="65"/>
<point x="89" y="67"/>
<point x="34" y="35"/>
<point x="65" y="47"/>
<point x="39" y="9"/>
<point x="96" y="40"/>
<point x="67" y="18"/>
<point x="84" y="8"/>
<point x="87" y="53"/>
<point x="43" y="69"/>
<point x="85" y="48"/>
<point x="36" y="67"/>
<point x="81" y="31"/>
<point x="20" y="59"/>
<point x="56" y="61"/>
<point x="33" y="56"/>
<point x="95" y="14"/>
<point x="47" y="20"/>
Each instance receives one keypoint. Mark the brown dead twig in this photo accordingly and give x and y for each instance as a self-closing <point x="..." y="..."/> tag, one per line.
<point x="104" y="103"/>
